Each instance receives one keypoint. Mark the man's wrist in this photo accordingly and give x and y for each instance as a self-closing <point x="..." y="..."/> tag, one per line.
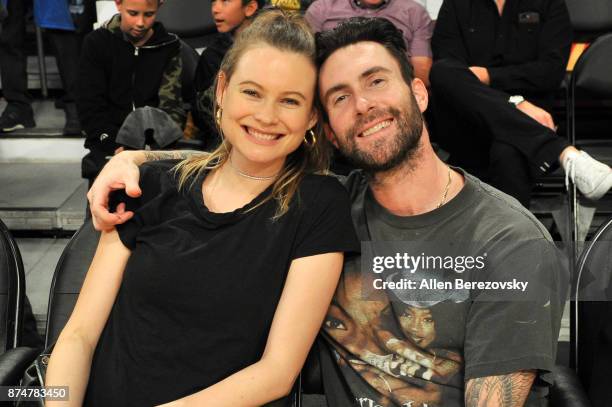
<point x="133" y="156"/>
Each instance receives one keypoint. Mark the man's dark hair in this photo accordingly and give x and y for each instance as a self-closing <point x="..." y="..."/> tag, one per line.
<point x="359" y="29"/>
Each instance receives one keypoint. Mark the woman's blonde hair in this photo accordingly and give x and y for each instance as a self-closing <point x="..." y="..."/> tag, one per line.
<point x="287" y="32"/>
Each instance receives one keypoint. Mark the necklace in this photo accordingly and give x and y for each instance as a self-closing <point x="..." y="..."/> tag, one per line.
<point x="249" y="176"/>
<point x="446" y="188"/>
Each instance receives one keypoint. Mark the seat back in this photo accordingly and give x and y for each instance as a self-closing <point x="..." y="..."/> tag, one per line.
<point x="12" y="291"/>
<point x="68" y="279"/>
<point x="190" y="59"/>
<point x="592" y="71"/>
<point x="590" y="15"/>
<point x="187" y="18"/>
<point x="593" y="292"/>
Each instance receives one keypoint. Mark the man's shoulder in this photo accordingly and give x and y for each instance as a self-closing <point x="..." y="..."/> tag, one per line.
<point x="506" y="215"/>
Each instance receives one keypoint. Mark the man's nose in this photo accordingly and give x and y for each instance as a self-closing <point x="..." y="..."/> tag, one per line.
<point x="363" y="104"/>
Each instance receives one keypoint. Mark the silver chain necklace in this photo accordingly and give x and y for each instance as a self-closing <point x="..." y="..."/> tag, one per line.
<point x="249" y="176"/>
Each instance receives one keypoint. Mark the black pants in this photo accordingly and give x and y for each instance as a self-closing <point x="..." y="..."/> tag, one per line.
<point x="487" y="135"/>
<point x="13" y="64"/>
<point x="12" y="56"/>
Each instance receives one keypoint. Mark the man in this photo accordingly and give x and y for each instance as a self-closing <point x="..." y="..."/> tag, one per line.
<point x="497" y="67"/>
<point x="128" y="63"/>
<point x="407" y="15"/>
<point x="425" y="347"/>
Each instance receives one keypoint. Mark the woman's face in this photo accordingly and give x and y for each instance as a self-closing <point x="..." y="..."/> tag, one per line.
<point x="267" y="106"/>
<point x="229" y="14"/>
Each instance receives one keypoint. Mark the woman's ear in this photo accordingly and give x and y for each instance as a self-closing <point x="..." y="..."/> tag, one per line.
<point x="221" y="88"/>
<point x="314" y="117"/>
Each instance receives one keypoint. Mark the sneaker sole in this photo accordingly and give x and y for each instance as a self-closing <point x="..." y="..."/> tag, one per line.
<point x="16" y="127"/>
<point x="601" y="189"/>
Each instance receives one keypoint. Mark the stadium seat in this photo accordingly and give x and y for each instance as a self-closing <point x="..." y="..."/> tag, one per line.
<point x="592" y="317"/>
<point x="13" y="360"/>
<point x="191" y="20"/>
<point x="590" y="79"/>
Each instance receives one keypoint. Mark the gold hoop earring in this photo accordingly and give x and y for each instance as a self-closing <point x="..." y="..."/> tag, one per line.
<point x="313" y="139"/>
<point x="218" y="114"/>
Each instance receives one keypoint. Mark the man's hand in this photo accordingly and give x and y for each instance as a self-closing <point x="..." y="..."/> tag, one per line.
<point x="538" y="114"/>
<point x="121" y="172"/>
<point x="481" y="73"/>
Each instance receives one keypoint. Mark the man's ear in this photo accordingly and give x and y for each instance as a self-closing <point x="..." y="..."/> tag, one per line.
<point x="221" y="88"/>
<point x="419" y="90"/>
<point x="329" y="133"/>
<point x="250" y="8"/>
<point x="118" y="4"/>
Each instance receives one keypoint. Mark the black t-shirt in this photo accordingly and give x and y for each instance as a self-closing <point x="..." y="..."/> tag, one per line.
<point x="200" y="289"/>
<point x="402" y="347"/>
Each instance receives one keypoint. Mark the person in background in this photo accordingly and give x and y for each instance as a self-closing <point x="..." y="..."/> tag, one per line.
<point x="407" y="15"/>
<point x="18" y="113"/>
<point x="130" y="62"/>
<point x="497" y="67"/>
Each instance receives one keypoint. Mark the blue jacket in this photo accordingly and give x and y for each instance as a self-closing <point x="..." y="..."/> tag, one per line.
<point x="53" y="14"/>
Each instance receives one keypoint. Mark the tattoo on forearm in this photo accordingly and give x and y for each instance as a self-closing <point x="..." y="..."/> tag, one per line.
<point x="499" y="391"/>
<point x="169" y="155"/>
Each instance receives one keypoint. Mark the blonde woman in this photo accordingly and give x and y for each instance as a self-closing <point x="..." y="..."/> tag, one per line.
<point x="212" y="294"/>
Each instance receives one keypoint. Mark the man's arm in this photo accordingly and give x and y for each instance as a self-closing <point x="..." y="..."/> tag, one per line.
<point x="419" y="43"/>
<point x="121" y="172"/>
<point x="509" y="390"/>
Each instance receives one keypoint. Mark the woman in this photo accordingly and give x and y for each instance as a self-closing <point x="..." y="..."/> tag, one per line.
<point x="214" y="291"/>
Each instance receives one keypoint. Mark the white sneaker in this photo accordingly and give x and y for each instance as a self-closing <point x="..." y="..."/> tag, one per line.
<point x="592" y="178"/>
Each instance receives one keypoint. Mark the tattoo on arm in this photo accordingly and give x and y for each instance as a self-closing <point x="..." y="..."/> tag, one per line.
<point x="169" y="155"/>
<point x="499" y="391"/>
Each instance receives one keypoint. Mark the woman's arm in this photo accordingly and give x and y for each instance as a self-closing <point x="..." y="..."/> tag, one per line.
<point x="71" y="358"/>
<point x="305" y="299"/>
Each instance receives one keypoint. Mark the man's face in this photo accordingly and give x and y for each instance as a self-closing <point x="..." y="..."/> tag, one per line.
<point x="374" y="118"/>
<point x="137" y="17"/>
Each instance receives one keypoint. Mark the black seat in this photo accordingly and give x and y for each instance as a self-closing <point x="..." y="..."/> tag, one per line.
<point x="590" y="80"/>
<point x="189" y="19"/>
<point x="12" y="291"/>
<point x="13" y="360"/>
<point x="68" y="279"/>
<point x="592" y="336"/>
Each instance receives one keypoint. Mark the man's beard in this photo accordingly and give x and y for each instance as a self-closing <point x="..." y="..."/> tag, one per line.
<point x="385" y="154"/>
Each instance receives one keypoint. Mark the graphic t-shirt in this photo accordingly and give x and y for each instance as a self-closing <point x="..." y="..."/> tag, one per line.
<point x="200" y="288"/>
<point x="418" y="347"/>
